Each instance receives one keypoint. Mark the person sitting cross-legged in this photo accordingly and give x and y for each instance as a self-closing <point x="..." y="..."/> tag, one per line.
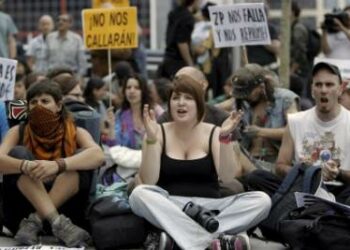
<point x="182" y="162"/>
<point x="45" y="163"/>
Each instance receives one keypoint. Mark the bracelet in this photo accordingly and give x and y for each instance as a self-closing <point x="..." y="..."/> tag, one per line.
<point x="21" y="167"/>
<point x="150" y="142"/>
<point x="62" y="166"/>
<point x="225" y="139"/>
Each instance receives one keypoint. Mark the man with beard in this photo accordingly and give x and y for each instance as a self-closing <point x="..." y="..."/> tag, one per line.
<point x="265" y="110"/>
<point x="318" y="136"/>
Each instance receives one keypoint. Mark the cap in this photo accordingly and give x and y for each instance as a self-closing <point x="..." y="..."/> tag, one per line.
<point x="324" y="65"/>
<point x="244" y="82"/>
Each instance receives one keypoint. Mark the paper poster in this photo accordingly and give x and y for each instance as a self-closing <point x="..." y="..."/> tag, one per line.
<point x="239" y="24"/>
<point x="7" y="78"/>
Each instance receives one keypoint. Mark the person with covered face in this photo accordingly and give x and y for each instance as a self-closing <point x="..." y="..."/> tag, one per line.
<point x="265" y="109"/>
<point x="182" y="162"/>
<point x="46" y="164"/>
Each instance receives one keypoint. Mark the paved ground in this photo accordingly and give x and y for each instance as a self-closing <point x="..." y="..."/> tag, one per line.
<point x="255" y="244"/>
<point x="8" y="243"/>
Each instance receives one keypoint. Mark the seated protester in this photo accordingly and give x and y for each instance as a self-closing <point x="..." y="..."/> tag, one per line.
<point x="265" y="108"/>
<point x="94" y="94"/>
<point x="216" y="116"/>
<point x="70" y="87"/>
<point x="32" y="78"/>
<point x="212" y="114"/>
<point x="20" y="88"/>
<point x="226" y="101"/>
<point x="317" y="136"/>
<point x="45" y="163"/>
<point x="159" y="91"/>
<point x="56" y="71"/>
<point x="182" y="161"/>
<point x="74" y="101"/>
<point x="126" y="126"/>
<point x="24" y="82"/>
<point x="122" y="71"/>
<point x="4" y="127"/>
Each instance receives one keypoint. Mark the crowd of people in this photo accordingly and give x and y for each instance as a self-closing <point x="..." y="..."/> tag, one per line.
<point x="176" y="150"/>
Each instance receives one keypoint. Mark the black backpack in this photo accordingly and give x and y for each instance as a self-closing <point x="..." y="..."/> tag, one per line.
<point x="301" y="178"/>
<point x="314" y="44"/>
<point x="320" y="226"/>
<point x="113" y="224"/>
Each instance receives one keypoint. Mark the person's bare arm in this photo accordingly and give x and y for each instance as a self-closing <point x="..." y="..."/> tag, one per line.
<point x="151" y="149"/>
<point x="90" y="157"/>
<point x="226" y="158"/>
<point x="324" y="43"/>
<point x="8" y="164"/>
<point x="12" y="46"/>
<point x="285" y="155"/>
<point x="185" y="53"/>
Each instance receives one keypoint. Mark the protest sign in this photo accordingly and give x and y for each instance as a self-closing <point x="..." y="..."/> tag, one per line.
<point x="239" y="24"/>
<point x="110" y="28"/>
<point x="343" y="65"/>
<point x="109" y="3"/>
<point x="7" y="78"/>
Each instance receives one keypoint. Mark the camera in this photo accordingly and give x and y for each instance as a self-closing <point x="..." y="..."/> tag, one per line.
<point x="330" y="26"/>
<point x="203" y="216"/>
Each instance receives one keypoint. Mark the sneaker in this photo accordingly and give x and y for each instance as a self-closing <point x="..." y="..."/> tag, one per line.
<point x="231" y="242"/>
<point x="242" y="242"/>
<point x="70" y="234"/>
<point x="152" y="241"/>
<point x="28" y="230"/>
<point x="166" y="242"/>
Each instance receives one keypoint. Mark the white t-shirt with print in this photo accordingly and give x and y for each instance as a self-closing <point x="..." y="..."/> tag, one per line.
<point x="313" y="138"/>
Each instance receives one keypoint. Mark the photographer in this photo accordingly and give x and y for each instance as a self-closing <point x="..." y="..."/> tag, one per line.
<point x="336" y="35"/>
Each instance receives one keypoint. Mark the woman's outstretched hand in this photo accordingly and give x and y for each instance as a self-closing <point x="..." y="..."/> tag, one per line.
<point x="231" y="123"/>
<point x="151" y="125"/>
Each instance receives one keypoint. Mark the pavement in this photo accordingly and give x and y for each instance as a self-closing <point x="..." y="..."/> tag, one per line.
<point x="49" y="243"/>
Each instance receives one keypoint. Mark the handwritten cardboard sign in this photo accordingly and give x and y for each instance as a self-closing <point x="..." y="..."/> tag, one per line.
<point x="239" y="24"/>
<point x="110" y="28"/>
<point x="7" y="78"/>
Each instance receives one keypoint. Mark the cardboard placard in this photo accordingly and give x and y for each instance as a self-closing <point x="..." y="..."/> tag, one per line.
<point x="7" y="78"/>
<point x="239" y="24"/>
<point x="111" y="28"/>
<point x="109" y="3"/>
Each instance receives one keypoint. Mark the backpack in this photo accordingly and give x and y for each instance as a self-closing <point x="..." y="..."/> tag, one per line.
<point x="112" y="223"/>
<point x="314" y="44"/>
<point x="84" y="116"/>
<point x="313" y="47"/>
<point x="318" y="227"/>
<point x="301" y="178"/>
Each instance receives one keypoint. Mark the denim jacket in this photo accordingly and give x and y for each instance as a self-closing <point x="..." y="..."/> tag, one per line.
<point x="275" y="113"/>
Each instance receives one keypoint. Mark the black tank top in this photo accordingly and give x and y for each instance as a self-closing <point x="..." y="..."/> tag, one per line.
<point x="196" y="177"/>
